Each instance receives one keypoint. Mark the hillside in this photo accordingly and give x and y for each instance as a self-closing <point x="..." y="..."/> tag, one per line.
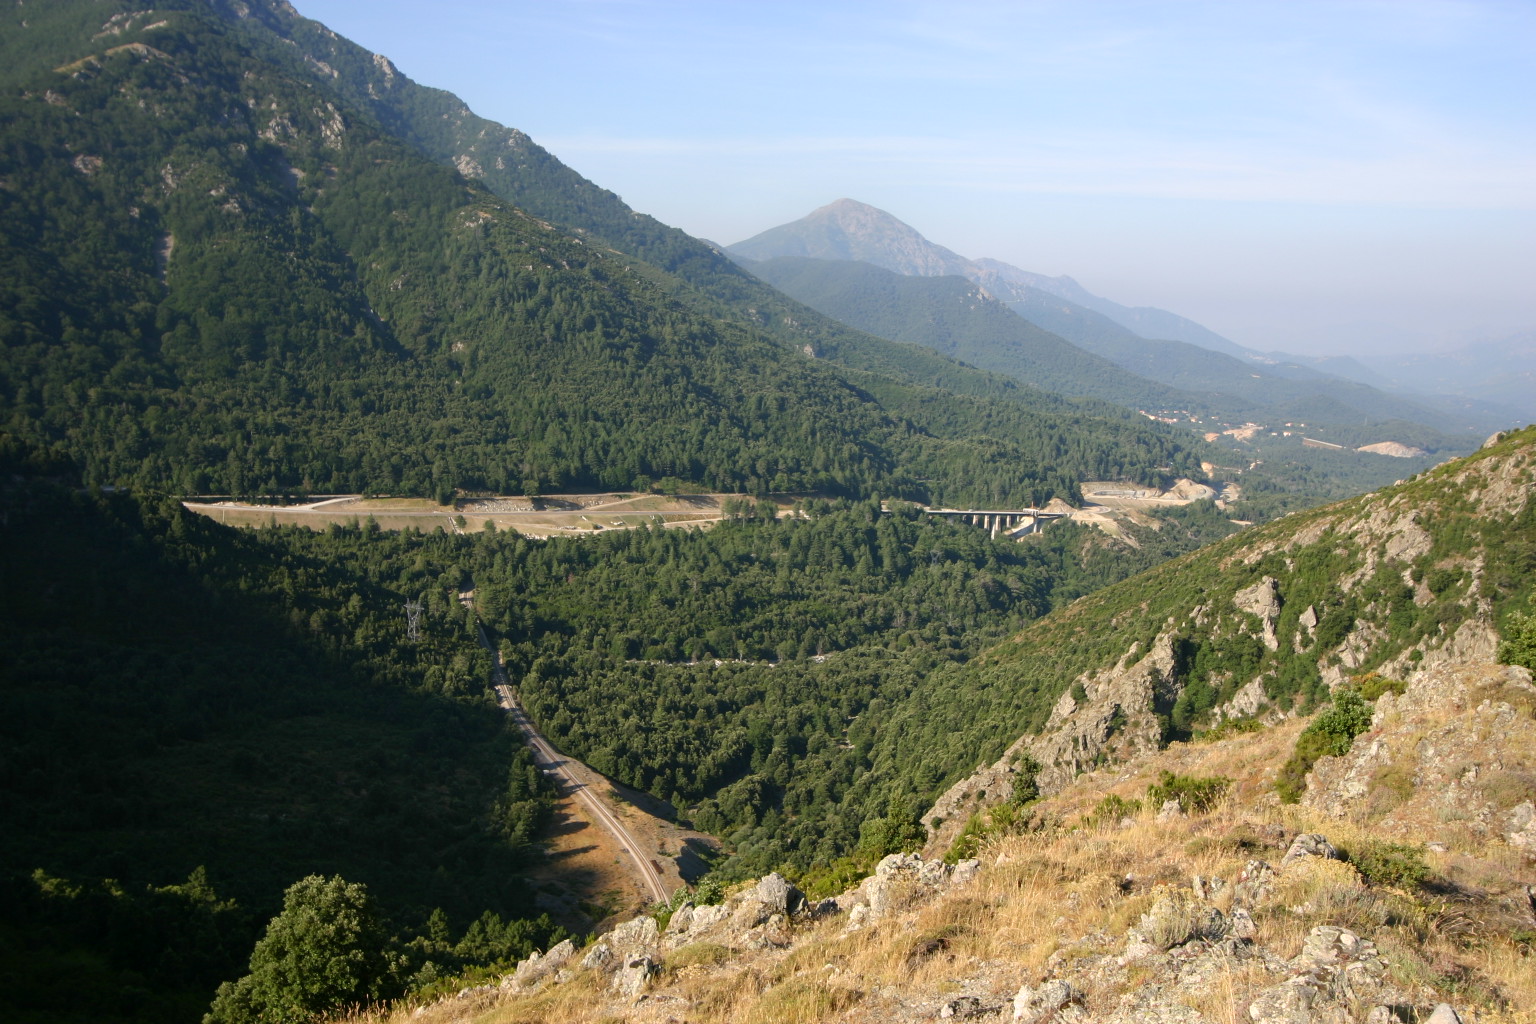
<point x="223" y="276"/>
<point x="1256" y="628"/>
<point x="197" y="717"/>
<point x="1109" y="870"/>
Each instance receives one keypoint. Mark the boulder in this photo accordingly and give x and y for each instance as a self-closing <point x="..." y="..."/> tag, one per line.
<point x="1309" y="844"/>
<point x="630" y="980"/>
<point x="637" y="935"/>
<point x="600" y="958"/>
<point x="532" y="972"/>
<point x="774" y="892"/>
<point x="1038" y="1005"/>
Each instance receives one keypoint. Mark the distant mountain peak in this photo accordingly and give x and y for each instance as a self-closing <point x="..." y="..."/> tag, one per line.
<point x="847" y="229"/>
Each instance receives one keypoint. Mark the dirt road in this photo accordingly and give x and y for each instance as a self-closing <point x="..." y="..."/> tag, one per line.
<point x="572" y="777"/>
<point x="575" y="778"/>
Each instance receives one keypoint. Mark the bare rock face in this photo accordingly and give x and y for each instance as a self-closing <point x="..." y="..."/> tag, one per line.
<point x="987" y="785"/>
<point x="1263" y="600"/>
<point x="1116" y="722"/>
<point x="637" y="935"/>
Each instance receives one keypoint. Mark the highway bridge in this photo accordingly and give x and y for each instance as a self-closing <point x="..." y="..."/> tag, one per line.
<point x="1014" y="522"/>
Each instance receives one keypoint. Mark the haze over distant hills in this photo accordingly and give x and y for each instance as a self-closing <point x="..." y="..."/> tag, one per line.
<point x="851" y="230"/>
<point x="1152" y="343"/>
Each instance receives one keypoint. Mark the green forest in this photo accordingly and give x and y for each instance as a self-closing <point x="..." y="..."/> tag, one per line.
<point x="216" y="281"/>
<point x="175" y="689"/>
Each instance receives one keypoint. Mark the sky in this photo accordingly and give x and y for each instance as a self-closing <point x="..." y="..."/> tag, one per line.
<point x="1306" y="176"/>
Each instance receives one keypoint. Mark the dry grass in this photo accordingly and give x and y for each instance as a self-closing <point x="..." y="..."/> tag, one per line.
<point x="1064" y="895"/>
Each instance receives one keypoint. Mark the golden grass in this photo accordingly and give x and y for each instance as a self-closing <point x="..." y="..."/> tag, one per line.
<point x="1062" y="893"/>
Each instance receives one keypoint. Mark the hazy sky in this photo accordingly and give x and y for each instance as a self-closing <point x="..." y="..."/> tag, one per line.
<point x="1272" y="170"/>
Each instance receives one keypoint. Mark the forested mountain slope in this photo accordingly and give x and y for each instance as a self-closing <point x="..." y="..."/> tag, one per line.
<point x="180" y="696"/>
<point x="195" y="718"/>
<point x="220" y="276"/>
<point x="954" y="316"/>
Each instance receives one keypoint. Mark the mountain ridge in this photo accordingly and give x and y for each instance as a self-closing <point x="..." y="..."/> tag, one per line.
<point x="298" y="271"/>
<point x="1280" y="390"/>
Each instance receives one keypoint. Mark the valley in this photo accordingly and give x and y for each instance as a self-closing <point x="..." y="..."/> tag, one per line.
<point x="419" y="563"/>
<point x="585" y="514"/>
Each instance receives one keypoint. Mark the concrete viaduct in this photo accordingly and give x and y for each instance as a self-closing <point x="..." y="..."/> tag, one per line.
<point x="1016" y="522"/>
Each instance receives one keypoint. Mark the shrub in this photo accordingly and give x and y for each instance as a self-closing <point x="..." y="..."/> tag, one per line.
<point x="1329" y="735"/>
<point x="1111" y="809"/>
<point x="1391" y="864"/>
<point x="1372" y="685"/>
<point x="1519" y="644"/>
<point x="1195" y="794"/>
<point x="1229" y="727"/>
<point x="327" y="949"/>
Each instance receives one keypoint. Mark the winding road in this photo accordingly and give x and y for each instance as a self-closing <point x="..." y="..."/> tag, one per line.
<point x="574" y="778"/>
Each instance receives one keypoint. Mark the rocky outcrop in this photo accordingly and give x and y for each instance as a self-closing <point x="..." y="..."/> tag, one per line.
<point x="1263" y="601"/>
<point x="1115" y="722"/>
<point x="1456" y="750"/>
<point x="900" y="880"/>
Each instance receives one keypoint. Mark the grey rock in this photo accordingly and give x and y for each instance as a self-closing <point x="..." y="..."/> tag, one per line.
<point x="1254" y="884"/>
<point x="1208" y="888"/>
<point x="774" y="892"/>
<point x="898" y="863"/>
<point x="965" y="871"/>
<point x="1262" y="600"/>
<point x="1444" y="1014"/>
<point x="965" y="1006"/>
<point x="1520" y="827"/>
<point x="1288" y="1003"/>
<point x="705" y="918"/>
<point x="637" y="935"/>
<point x="1037" y="1005"/>
<point x="822" y="908"/>
<point x="681" y="919"/>
<point x="600" y="957"/>
<point x="933" y="872"/>
<point x="1240" y="924"/>
<point x="630" y="980"/>
<point x="1309" y="844"/>
<point x="530" y="973"/>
